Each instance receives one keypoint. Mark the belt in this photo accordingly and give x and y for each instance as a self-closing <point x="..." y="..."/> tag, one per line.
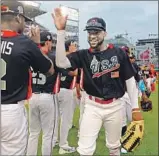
<point x="9" y="103"/>
<point x="101" y="101"/>
<point x="42" y="92"/>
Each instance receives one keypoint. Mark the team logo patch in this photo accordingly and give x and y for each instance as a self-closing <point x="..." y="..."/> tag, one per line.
<point x="105" y="66"/>
<point x="49" y="37"/>
<point x="20" y="9"/>
<point x="94" y="22"/>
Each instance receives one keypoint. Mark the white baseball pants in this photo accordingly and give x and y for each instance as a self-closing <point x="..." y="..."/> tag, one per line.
<point x="82" y="103"/>
<point x="66" y="106"/>
<point x="127" y="109"/>
<point x="95" y="115"/>
<point x="14" y="129"/>
<point x="57" y="119"/>
<point x="41" y="117"/>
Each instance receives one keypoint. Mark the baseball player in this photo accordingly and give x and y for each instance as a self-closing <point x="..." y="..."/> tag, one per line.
<point x="66" y="101"/>
<point x="106" y="71"/>
<point x="42" y="105"/>
<point x="135" y="66"/>
<point x="18" y="53"/>
<point x="70" y="46"/>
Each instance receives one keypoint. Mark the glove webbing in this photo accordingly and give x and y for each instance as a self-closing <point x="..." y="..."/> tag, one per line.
<point x="136" y="143"/>
<point x="128" y="138"/>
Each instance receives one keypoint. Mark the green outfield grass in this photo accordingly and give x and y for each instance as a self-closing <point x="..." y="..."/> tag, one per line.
<point x="149" y="144"/>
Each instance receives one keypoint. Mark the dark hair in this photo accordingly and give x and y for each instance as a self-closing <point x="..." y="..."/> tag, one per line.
<point x="42" y="44"/>
<point x="147" y="76"/>
<point x="67" y="44"/>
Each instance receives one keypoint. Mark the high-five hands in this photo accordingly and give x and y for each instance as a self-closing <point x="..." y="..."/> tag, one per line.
<point x="34" y="33"/>
<point x="60" y="20"/>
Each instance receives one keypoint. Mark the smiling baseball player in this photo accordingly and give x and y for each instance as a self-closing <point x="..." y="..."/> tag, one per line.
<point x="106" y="71"/>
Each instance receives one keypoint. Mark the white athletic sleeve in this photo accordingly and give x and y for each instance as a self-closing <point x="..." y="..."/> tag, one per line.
<point x="61" y="60"/>
<point x="148" y="83"/>
<point x="132" y="92"/>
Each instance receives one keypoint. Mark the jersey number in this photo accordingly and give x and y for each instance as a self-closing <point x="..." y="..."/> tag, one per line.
<point x="3" y="73"/>
<point x="63" y="78"/>
<point x="40" y="80"/>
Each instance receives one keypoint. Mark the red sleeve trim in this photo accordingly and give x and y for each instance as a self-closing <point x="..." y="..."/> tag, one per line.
<point x="56" y="88"/>
<point x="29" y="94"/>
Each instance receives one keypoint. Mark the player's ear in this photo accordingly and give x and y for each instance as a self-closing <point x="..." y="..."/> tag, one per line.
<point x="47" y="43"/>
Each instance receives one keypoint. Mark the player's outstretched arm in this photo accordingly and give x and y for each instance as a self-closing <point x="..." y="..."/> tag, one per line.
<point x="132" y="91"/>
<point x="60" y="22"/>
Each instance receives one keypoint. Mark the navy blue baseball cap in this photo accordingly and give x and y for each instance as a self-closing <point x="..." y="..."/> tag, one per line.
<point x="13" y="7"/>
<point x="96" y="23"/>
<point x="45" y="36"/>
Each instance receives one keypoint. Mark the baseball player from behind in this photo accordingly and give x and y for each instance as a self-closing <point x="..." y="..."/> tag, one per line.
<point x="42" y="105"/>
<point x="106" y="71"/>
<point x="18" y="53"/>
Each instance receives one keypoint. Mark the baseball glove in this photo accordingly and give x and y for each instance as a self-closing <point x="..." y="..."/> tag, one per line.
<point x="148" y="93"/>
<point x="133" y="136"/>
<point x="146" y="104"/>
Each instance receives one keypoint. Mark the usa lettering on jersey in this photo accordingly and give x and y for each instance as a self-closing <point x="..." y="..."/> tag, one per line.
<point x="105" y="66"/>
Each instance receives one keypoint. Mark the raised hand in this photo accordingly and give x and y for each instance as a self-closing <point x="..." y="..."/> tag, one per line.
<point x="59" y="19"/>
<point x="34" y="33"/>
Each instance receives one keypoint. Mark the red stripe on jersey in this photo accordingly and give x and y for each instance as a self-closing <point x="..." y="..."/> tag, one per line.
<point x="73" y="83"/>
<point x="8" y="33"/>
<point x="81" y="78"/>
<point x="57" y="84"/>
<point x="29" y="93"/>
